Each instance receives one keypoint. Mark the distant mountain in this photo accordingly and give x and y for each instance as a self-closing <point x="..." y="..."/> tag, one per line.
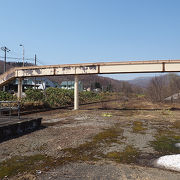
<point x="142" y="82"/>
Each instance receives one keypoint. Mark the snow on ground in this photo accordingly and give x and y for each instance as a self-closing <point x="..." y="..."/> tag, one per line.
<point x="171" y="162"/>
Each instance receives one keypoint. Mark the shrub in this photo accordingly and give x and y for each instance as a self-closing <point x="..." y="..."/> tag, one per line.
<point x="88" y="96"/>
<point x="4" y="96"/>
<point x="58" y="97"/>
<point x="34" y="95"/>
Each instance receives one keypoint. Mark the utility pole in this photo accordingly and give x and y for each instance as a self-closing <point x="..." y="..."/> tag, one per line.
<point x="5" y="49"/>
<point x="35" y="61"/>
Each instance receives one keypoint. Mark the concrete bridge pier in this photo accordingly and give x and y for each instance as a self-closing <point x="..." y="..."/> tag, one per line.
<point x="76" y="92"/>
<point x="19" y="95"/>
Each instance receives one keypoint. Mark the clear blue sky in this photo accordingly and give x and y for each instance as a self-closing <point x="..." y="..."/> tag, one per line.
<point x="78" y="31"/>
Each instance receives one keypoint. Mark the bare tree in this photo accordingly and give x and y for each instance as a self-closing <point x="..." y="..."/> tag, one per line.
<point x="157" y="89"/>
<point x="126" y="88"/>
<point x="174" y="84"/>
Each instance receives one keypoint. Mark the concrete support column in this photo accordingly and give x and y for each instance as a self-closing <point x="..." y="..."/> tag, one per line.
<point x="76" y="92"/>
<point x="19" y="88"/>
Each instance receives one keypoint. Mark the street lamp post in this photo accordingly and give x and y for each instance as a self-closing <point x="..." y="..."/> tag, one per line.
<point x="20" y="83"/>
<point x="23" y="53"/>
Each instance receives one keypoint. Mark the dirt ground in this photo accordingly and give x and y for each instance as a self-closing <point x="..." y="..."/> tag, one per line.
<point x="103" y="141"/>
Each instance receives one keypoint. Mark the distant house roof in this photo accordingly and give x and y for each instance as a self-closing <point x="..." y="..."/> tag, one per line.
<point x="64" y="83"/>
<point x="30" y="81"/>
<point x="173" y="97"/>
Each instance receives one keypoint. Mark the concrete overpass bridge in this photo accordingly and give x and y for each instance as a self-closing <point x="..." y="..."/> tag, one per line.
<point x="154" y="66"/>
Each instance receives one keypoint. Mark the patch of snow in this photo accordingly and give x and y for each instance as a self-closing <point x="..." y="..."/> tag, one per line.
<point x="171" y="162"/>
<point x="177" y="145"/>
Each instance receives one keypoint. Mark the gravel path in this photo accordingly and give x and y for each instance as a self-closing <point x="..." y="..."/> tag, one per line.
<point x="107" y="170"/>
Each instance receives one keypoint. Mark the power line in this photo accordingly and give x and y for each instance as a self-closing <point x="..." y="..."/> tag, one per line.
<point x="13" y="53"/>
<point x="27" y="59"/>
<point x="17" y="58"/>
<point x="40" y="62"/>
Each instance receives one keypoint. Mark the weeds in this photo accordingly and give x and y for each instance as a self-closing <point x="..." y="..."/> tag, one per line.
<point x="129" y="155"/>
<point x="85" y="152"/>
<point x="165" y="141"/>
<point x="176" y="124"/>
<point x="107" y="115"/>
<point x="166" y="112"/>
<point x="20" y="164"/>
<point x="138" y="127"/>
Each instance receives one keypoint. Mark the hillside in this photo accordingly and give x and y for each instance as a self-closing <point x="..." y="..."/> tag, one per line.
<point x="8" y="66"/>
<point x="142" y="82"/>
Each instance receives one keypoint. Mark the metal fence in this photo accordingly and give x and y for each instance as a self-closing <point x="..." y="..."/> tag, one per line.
<point x="9" y="109"/>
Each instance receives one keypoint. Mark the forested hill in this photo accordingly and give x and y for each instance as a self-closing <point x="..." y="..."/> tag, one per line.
<point x="8" y="66"/>
<point x="11" y="65"/>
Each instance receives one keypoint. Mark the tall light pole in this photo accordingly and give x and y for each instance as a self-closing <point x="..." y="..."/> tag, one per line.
<point x="20" y="83"/>
<point x="23" y="53"/>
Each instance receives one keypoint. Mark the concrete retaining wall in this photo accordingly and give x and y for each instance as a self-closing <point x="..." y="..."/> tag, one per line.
<point x="19" y="128"/>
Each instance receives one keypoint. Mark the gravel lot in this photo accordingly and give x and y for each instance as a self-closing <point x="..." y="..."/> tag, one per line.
<point x="64" y="129"/>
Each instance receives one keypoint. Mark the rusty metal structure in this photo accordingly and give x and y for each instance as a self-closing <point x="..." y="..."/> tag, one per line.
<point x="7" y="107"/>
<point x="154" y="66"/>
